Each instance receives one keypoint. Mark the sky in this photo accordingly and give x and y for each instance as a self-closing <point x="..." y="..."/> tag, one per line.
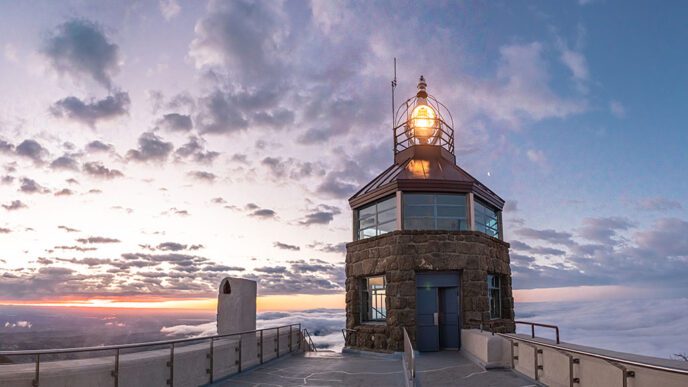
<point x="147" y="149"/>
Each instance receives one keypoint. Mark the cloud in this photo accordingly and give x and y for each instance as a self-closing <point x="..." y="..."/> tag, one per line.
<point x="65" y="162"/>
<point x="5" y="230"/>
<point x="67" y="229"/>
<point x="169" y="9"/>
<point x="80" y="48"/>
<point x="175" y="122"/>
<point x="31" y="149"/>
<point x="256" y="211"/>
<point x="658" y="204"/>
<point x="329" y="247"/>
<point x="551" y="236"/>
<point x="204" y="176"/>
<point x="302" y="277"/>
<point x="617" y="109"/>
<point x="99" y="146"/>
<point x="30" y="186"/>
<point x="151" y="148"/>
<point x="511" y="206"/>
<point x="14" y="205"/>
<point x="194" y="150"/>
<point x="64" y="192"/>
<point x="603" y="230"/>
<point x="97" y="169"/>
<point x="322" y="214"/>
<point x="219" y="115"/>
<point x="90" y="112"/>
<point x="97" y="240"/>
<point x="285" y="246"/>
<point x="538" y="157"/>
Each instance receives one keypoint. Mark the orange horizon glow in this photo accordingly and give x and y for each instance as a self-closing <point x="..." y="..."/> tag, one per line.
<point x="264" y="303"/>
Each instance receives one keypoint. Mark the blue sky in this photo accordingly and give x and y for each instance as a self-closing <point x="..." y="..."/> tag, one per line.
<point x="149" y="148"/>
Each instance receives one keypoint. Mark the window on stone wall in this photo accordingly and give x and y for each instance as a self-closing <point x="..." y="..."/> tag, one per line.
<point x="424" y="211"/>
<point x="373" y="299"/>
<point x="377" y="218"/>
<point x="494" y="295"/>
<point x="486" y="219"/>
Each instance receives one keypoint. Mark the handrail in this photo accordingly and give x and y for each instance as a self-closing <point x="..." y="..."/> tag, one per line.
<point x="309" y="341"/>
<point x="534" y="324"/>
<point x="345" y="331"/>
<point x="134" y="345"/>
<point x="409" y="361"/>
<point x="596" y="355"/>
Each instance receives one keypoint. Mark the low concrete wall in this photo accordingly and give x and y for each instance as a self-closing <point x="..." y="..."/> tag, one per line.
<point x="560" y="366"/>
<point x="150" y="368"/>
<point x="491" y="351"/>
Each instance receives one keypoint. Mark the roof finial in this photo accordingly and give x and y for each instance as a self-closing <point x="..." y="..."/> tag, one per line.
<point x="421" y="88"/>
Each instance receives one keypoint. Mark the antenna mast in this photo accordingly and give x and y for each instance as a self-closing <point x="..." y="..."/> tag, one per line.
<point x="394" y="86"/>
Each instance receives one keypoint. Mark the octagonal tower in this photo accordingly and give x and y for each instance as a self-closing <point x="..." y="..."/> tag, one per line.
<point x="428" y="253"/>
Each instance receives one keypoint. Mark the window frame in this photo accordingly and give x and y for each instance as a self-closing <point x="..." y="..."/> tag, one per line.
<point x="495" y="313"/>
<point x="464" y="224"/>
<point x="373" y="300"/>
<point x="376" y="225"/>
<point x="482" y="213"/>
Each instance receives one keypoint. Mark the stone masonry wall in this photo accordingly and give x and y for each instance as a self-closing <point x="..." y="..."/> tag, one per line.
<point x="398" y="256"/>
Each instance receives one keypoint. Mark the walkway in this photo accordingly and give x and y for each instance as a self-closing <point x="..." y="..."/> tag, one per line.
<point x="335" y="369"/>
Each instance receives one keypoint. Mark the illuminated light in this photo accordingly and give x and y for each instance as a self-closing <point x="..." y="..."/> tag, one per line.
<point x="423" y="123"/>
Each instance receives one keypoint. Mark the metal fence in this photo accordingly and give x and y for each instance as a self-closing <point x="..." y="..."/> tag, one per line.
<point x="409" y="361"/>
<point x="223" y="354"/>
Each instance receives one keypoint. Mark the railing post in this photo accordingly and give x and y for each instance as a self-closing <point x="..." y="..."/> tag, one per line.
<point x="36" y="379"/>
<point x="170" y="364"/>
<point x="277" y="340"/>
<point x="532" y="331"/>
<point x="290" y="336"/>
<point x="115" y="373"/>
<point x="240" y="337"/>
<point x="261" y="346"/>
<point x="211" y="356"/>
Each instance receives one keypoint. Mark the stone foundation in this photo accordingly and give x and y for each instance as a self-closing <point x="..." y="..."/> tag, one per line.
<point x="398" y="256"/>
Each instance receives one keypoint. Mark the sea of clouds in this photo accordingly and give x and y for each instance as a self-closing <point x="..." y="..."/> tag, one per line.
<point x="654" y="327"/>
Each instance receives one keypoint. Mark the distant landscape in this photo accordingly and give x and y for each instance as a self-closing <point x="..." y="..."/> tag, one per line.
<point x="621" y="325"/>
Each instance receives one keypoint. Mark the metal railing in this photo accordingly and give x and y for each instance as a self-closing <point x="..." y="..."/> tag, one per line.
<point x="409" y="361"/>
<point x="171" y="343"/>
<point x="347" y="332"/>
<point x="309" y="342"/>
<point x="534" y="324"/>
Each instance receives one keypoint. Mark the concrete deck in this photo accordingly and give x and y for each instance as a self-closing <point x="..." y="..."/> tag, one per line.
<point x="335" y="369"/>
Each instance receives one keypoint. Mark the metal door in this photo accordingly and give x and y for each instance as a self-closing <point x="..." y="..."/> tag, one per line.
<point x="427" y="319"/>
<point x="449" y="317"/>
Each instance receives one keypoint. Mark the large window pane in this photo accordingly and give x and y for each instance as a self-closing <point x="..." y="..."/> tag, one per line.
<point x="376" y="218"/>
<point x="494" y="295"/>
<point x="373" y="299"/>
<point x="434" y="211"/>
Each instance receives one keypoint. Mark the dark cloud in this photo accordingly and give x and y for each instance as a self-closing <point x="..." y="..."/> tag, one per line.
<point x="68" y="229"/>
<point x="328" y="247"/>
<point x="32" y="150"/>
<point x="219" y="115"/>
<point x="520" y="246"/>
<point x="6" y="147"/>
<point x="322" y="214"/>
<point x="285" y="246"/>
<point x="658" y="204"/>
<point x="80" y="48"/>
<point x="99" y="146"/>
<point x="65" y="162"/>
<point x="97" y="239"/>
<point x="30" y="186"/>
<point x="171" y="246"/>
<point x="97" y="169"/>
<point x="14" y="205"/>
<point x="603" y="230"/>
<point x="7" y="179"/>
<point x="240" y="158"/>
<point x="292" y="168"/>
<point x="222" y="268"/>
<point x="90" y="112"/>
<point x="271" y="269"/>
<point x="5" y="230"/>
<point x="64" y="192"/>
<point x="195" y="150"/>
<point x="175" y="122"/>
<point x="203" y="176"/>
<point x="218" y="200"/>
<point x="551" y="236"/>
<point x="75" y="248"/>
<point x="151" y="148"/>
<point x="302" y="277"/>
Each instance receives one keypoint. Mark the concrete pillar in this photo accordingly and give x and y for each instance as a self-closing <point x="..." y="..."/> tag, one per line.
<point x="236" y="306"/>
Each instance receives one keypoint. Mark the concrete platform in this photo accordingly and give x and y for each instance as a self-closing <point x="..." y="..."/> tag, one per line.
<point x="335" y="369"/>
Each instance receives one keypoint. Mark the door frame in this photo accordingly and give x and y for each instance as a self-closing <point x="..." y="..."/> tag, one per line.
<point x="442" y="279"/>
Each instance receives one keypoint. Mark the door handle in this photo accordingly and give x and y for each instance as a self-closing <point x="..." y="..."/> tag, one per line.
<point x="436" y="318"/>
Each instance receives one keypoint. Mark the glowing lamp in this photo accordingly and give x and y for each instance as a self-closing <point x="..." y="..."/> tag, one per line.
<point x="423" y="123"/>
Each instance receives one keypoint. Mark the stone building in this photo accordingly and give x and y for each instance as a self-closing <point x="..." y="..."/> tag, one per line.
<point x="428" y="253"/>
